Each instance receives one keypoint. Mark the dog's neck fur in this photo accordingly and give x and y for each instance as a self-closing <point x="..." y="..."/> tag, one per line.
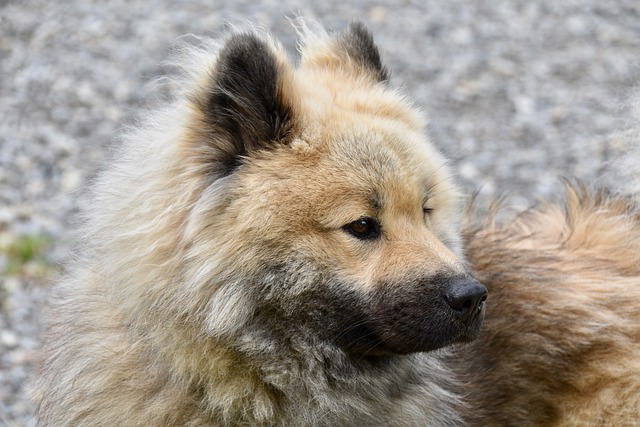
<point x="322" y="387"/>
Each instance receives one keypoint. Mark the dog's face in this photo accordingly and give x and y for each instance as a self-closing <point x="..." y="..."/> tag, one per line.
<point x="336" y="210"/>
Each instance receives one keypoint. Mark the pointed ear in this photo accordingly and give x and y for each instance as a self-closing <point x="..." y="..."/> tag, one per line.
<point x="248" y="104"/>
<point x="357" y="43"/>
<point x="352" y="51"/>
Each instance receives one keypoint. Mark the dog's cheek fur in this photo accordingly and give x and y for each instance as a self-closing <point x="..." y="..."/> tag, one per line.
<point x="446" y="216"/>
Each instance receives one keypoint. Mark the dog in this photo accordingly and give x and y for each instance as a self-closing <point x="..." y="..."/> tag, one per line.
<point x="280" y="246"/>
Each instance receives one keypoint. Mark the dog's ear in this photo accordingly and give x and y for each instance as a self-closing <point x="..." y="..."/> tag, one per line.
<point x="357" y="43"/>
<point x="352" y="52"/>
<point x="248" y="103"/>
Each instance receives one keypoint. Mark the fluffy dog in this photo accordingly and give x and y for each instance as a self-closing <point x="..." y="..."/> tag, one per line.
<point x="280" y="246"/>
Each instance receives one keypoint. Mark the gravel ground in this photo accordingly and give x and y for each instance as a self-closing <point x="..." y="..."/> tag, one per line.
<point x="519" y="93"/>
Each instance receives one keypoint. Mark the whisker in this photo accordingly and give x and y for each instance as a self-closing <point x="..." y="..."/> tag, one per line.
<point x="349" y="328"/>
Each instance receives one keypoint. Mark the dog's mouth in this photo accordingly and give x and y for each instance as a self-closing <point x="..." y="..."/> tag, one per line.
<point x="422" y="318"/>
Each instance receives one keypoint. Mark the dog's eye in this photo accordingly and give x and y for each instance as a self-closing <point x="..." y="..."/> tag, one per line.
<point x="364" y="228"/>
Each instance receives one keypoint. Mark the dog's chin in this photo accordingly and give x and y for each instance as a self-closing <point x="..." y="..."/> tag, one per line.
<point x="383" y="341"/>
<point x="471" y="332"/>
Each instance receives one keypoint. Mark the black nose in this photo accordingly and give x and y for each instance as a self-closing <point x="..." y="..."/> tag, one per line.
<point x="466" y="296"/>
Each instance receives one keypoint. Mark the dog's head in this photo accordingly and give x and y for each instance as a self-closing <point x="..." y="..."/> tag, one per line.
<point x="324" y="207"/>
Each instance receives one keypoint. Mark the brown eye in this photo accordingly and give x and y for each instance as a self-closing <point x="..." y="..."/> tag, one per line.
<point x="364" y="228"/>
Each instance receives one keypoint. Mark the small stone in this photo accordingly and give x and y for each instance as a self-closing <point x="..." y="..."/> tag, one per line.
<point x="8" y="339"/>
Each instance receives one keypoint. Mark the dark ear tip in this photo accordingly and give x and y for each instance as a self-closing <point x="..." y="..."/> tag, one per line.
<point x="359" y="44"/>
<point x="358" y="27"/>
<point x="243" y="48"/>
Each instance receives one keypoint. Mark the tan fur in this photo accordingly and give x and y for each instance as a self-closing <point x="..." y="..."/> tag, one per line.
<point x="561" y="338"/>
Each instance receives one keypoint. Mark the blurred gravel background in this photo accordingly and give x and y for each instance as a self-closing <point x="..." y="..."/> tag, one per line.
<point x="518" y="92"/>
